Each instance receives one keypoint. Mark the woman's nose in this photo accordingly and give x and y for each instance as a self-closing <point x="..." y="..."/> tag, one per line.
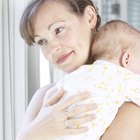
<point x="55" y="46"/>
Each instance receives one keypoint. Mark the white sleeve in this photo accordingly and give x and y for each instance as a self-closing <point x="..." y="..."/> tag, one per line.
<point x="133" y="89"/>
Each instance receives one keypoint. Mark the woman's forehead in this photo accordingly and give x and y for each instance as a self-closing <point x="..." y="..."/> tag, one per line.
<point x="50" y="13"/>
<point x="54" y="4"/>
<point x="52" y="9"/>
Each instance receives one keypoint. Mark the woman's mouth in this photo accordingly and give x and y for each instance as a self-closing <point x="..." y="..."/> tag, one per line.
<point x="64" y="57"/>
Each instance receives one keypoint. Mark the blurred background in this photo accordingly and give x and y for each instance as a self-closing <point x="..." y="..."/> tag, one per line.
<point x="23" y="70"/>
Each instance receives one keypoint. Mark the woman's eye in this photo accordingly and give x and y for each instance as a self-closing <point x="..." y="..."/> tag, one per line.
<point x="41" y="42"/>
<point x="59" y="30"/>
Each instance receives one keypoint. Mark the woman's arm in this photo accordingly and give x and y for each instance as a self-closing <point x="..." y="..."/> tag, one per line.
<point x="35" y="105"/>
<point x="41" y="118"/>
<point x="33" y="109"/>
<point x="126" y="125"/>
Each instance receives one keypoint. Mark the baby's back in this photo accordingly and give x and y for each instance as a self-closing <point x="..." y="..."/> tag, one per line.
<point x="106" y="83"/>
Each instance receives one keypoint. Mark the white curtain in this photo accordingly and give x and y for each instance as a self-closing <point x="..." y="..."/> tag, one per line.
<point x="13" y="69"/>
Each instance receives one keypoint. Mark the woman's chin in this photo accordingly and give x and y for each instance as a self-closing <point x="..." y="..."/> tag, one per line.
<point x="67" y="70"/>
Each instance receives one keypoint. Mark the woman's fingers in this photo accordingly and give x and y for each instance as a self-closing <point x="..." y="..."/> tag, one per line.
<point x="51" y="92"/>
<point x="76" y="131"/>
<point x="57" y="118"/>
<point x="77" y="110"/>
<point x="72" y="100"/>
<point x="57" y="95"/>
<point x="75" y="123"/>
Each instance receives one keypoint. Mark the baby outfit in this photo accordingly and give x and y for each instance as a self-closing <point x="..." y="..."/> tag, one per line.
<point x="110" y="86"/>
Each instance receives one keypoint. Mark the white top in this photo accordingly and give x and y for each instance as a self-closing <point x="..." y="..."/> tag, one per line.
<point x="111" y="85"/>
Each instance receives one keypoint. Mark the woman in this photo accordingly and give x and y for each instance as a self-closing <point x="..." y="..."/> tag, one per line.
<point x="64" y="30"/>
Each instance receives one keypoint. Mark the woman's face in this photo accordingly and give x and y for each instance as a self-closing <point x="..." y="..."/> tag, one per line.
<point x="64" y="38"/>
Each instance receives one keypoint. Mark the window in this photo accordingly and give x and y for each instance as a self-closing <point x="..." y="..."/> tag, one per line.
<point x="133" y="15"/>
<point x="44" y="71"/>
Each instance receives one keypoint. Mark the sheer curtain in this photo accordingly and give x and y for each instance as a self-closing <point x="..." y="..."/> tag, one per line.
<point x="13" y="69"/>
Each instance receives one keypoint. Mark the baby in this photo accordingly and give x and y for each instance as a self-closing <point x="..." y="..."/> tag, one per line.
<point x="112" y="79"/>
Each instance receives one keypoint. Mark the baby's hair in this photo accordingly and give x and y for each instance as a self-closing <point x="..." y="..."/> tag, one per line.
<point x="114" y="38"/>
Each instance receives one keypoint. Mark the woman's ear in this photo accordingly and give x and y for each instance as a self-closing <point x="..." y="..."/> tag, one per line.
<point x="125" y="59"/>
<point x="90" y="15"/>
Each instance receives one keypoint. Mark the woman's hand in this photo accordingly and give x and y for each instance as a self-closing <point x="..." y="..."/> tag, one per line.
<point x="55" y="119"/>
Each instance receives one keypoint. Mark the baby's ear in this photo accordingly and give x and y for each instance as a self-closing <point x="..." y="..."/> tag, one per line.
<point x="91" y="17"/>
<point x="125" y="59"/>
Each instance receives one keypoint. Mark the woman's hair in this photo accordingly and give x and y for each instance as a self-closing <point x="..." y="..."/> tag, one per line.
<point x="113" y="39"/>
<point x="26" y="28"/>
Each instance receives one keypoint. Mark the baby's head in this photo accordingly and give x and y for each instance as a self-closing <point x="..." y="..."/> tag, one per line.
<point x="118" y="42"/>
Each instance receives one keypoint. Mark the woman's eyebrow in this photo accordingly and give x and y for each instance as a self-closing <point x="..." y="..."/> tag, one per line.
<point x="59" y="21"/>
<point x="36" y="36"/>
<point x="55" y="23"/>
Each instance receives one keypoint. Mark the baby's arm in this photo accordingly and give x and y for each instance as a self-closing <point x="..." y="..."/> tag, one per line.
<point x="126" y="125"/>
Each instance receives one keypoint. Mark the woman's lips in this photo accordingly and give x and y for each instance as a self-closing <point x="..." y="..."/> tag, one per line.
<point x="64" y="57"/>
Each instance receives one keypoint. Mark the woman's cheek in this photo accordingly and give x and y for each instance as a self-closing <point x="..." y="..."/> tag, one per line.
<point x="69" y="37"/>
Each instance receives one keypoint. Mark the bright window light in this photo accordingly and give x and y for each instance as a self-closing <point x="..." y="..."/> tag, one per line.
<point x="44" y="71"/>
